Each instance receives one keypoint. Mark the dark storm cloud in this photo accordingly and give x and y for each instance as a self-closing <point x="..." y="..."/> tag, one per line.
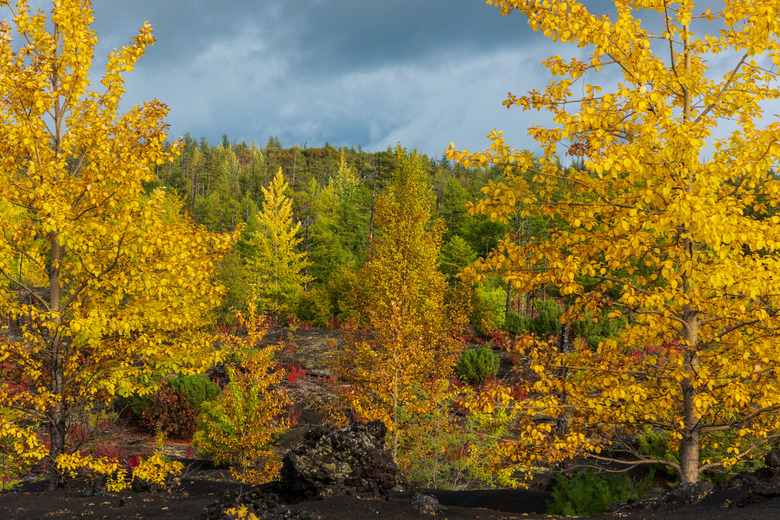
<point x="419" y="72"/>
<point x="345" y="71"/>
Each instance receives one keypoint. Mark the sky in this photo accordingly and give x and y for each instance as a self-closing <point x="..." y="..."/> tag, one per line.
<point x="348" y="72"/>
<point x="422" y="73"/>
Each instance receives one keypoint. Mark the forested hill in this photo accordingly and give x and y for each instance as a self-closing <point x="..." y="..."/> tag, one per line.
<point x="333" y="192"/>
<point x="221" y="184"/>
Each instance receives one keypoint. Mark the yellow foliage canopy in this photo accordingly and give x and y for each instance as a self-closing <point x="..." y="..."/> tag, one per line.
<point x="683" y="249"/>
<point x="410" y="334"/>
<point x="108" y="285"/>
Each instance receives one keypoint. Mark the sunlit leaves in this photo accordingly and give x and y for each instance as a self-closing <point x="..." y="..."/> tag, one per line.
<point x="409" y="336"/>
<point x="683" y="248"/>
<point x="276" y="265"/>
<point x="110" y="285"/>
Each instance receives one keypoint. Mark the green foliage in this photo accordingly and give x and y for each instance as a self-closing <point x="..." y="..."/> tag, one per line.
<point x="657" y="445"/>
<point x="276" y="266"/>
<point x="443" y="450"/>
<point x="477" y="366"/>
<point x="456" y="254"/>
<point x="196" y="389"/>
<point x="331" y="304"/>
<point x="249" y="415"/>
<point x="274" y="142"/>
<point x="314" y="307"/>
<point x="232" y="274"/>
<point x="488" y="308"/>
<point x="597" y="331"/>
<point x="548" y="320"/>
<point x="590" y="494"/>
<point x="517" y="325"/>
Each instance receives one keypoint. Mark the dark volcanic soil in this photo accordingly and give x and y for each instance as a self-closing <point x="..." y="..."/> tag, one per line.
<point x="197" y="491"/>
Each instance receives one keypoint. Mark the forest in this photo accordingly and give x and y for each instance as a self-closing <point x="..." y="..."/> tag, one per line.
<point x="332" y="194"/>
<point x="626" y="274"/>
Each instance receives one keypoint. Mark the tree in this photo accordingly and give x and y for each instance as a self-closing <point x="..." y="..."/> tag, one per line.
<point x="241" y="425"/>
<point x="410" y="336"/>
<point x="684" y="249"/>
<point x="106" y="285"/>
<point x="275" y="264"/>
<point x="455" y="255"/>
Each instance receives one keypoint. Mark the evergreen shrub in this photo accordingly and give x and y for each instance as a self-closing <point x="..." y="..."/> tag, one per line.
<point x="588" y="494"/>
<point x="477" y="366"/>
<point x="547" y="321"/>
<point x="517" y="325"/>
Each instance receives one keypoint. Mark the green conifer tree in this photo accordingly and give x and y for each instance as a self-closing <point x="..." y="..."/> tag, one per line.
<point x="276" y="265"/>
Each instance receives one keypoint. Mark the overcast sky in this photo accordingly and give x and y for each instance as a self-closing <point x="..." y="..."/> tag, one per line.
<point x="374" y="73"/>
<point x="349" y="72"/>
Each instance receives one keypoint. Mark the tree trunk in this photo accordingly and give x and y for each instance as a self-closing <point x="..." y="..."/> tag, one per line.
<point x="689" y="446"/>
<point x="57" y="417"/>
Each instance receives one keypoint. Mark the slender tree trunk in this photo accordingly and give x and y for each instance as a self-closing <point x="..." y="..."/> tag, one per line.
<point x="689" y="445"/>
<point x="508" y="308"/>
<point x="57" y="416"/>
<point x="373" y="199"/>
<point x="306" y="267"/>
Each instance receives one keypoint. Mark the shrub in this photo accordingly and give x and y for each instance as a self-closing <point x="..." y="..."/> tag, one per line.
<point x="242" y="424"/>
<point x="175" y="404"/>
<point x="196" y="389"/>
<point x="441" y="449"/>
<point x="477" y="366"/>
<point x="169" y="411"/>
<point x="589" y="494"/>
<point x="517" y="325"/>
<point x="547" y="322"/>
<point x="598" y="331"/>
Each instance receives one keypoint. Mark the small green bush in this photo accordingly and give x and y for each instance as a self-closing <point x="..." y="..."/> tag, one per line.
<point x="548" y="320"/>
<point x="477" y="366"/>
<point x="589" y="494"/>
<point x="598" y="331"/>
<point x="197" y="389"/>
<point x="517" y="325"/>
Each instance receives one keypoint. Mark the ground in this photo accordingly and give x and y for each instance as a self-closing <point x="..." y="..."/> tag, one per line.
<point x="197" y="492"/>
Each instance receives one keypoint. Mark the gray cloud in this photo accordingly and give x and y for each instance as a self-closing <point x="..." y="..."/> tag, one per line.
<point x="419" y="72"/>
<point x="345" y="71"/>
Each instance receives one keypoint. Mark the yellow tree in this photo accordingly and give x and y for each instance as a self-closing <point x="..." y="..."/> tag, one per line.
<point x="108" y="285"/>
<point x="682" y="248"/>
<point x="276" y="264"/>
<point x="410" y="335"/>
<point x="242" y="424"/>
